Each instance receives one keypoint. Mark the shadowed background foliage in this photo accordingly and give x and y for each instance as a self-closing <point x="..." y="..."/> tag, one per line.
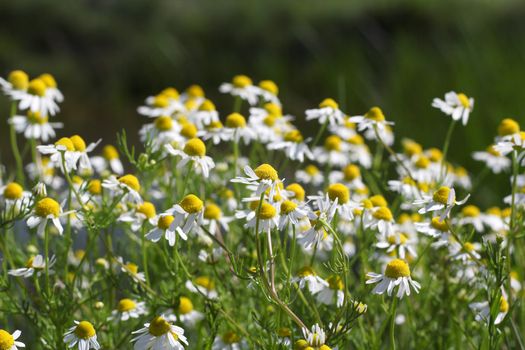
<point x="108" y="55"/>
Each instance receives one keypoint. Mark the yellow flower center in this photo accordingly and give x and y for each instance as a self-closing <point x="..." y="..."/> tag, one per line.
<point x="441" y="195"/>
<point x="185" y="306"/>
<point x="508" y="126"/>
<point x="188" y="130"/>
<point x="241" y="81"/>
<point x="375" y="113"/>
<point x="18" y="79"/>
<point x="491" y="150"/>
<point x="78" y="143"/>
<point x="351" y="172"/>
<point x="146" y="208"/>
<point x="305" y="271"/>
<point x="207" y="106"/>
<point x="301" y="344"/>
<point x="13" y="191"/>
<point x="273" y="109"/>
<point x="164" y="123"/>
<point x="494" y="211"/>
<point x="335" y="282"/>
<point x="422" y="162"/>
<point x="284" y="332"/>
<point x="411" y="148"/>
<point x="435" y="155"/>
<point x="328" y="102"/>
<point x="340" y="192"/>
<point x="294" y="136"/>
<point x="195" y="148"/>
<point x="469" y="247"/>
<point x="356" y="140"/>
<point x="205" y="282"/>
<point x="235" y="120"/>
<point x="6" y="340"/>
<point x="212" y="212"/>
<point x="230" y="337"/>
<point x="438" y="224"/>
<point x="332" y="143"/>
<point x="47" y="206"/>
<point x="49" y="80"/>
<point x="463" y="99"/>
<point x="191" y="204"/>
<point x="131" y="181"/>
<point x="109" y="152"/>
<point x="29" y="263"/>
<point x="165" y="222"/>
<point x="161" y="101"/>
<point x="383" y="213"/>
<point x="67" y="143"/>
<point x="267" y="211"/>
<point x="126" y="305"/>
<point x="397" y="268"/>
<point x="266" y="172"/>
<point x="297" y="190"/>
<point x="85" y="330"/>
<point x="132" y="268"/>
<point x="402" y="239"/>
<point x="159" y="326"/>
<point x="503" y="304"/>
<point x="269" y="120"/>
<point x="311" y="170"/>
<point x="94" y="187"/>
<point x="170" y="92"/>
<point x="36" y="87"/>
<point x="36" y="118"/>
<point x="195" y="91"/>
<point x="287" y="207"/>
<point x="269" y="86"/>
<point x="378" y="201"/>
<point x="216" y="124"/>
<point x="470" y="211"/>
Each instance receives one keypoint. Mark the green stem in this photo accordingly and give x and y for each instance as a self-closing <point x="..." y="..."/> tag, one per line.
<point x="445" y="148"/>
<point x="14" y="146"/>
<point x="144" y="253"/>
<point x="510" y="236"/>
<point x="393" y="310"/>
<point x="319" y="134"/>
<point x="46" y="255"/>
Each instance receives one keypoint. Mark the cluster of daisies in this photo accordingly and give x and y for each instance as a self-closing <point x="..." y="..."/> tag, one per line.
<point x="242" y="209"/>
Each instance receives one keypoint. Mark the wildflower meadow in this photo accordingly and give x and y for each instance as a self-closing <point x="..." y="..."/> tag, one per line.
<point x="231" y="229"/>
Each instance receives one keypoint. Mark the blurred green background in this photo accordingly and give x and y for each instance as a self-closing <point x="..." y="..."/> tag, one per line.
<point x="109" y="55"/>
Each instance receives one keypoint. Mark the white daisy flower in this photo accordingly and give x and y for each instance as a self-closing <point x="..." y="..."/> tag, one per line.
<point x="109" y="160"/>
<point x="373" y="119"/>
<point x="263" y="177"/>
<point x="471" y="215"/>
<point x="195" y="152"/>
<point x="306" y="277"/>
<point x="268" y="91"/>
<point x="14" y="196"/>
<point x="398" y="243"/>
<point x="332" y="293"/>
<point x="493" y="219"/>
<point x="159" y="334"/>
<point x="46" y="209"/>
<point x="214" y="218"/>
<point x="443" y="200"/>
<point x="397" y="274"/>
<point x="437" y="229"/>
<point x="186" y="312"/>
<point x="216" y="132"/>
<point x="82" y="335"/>
<point x="290" y="213"/>
<point x="457" y="105"/>
<point x="293" y="146"/>
<point x="229" y="341"/>
<point x="82" y="150"/>
<point x="466" y="252"/>
<point x="186" y="214"/>
<point x="324" y="215"/>
<point x="327" y="113"/>
<point x="127" y="185"/>
<point x="142" y="212"/>
<point x="237" y="128"/>
<point x="310" y="175"/>
<point x="35" y="126"/>
<point x="242" y="87"/>
<point x="382" y="220"/>
<point x="127" y="309"/>
<point x="36" y="98"/>
<point x="494" y="160"/>
<point x="34" y="264"/>
<point x="17" y="82"/>
<point x="165" y="103"/>
<point x="162" y="131"/>
<point x="163" y="228"/>
<point x="205" y="115"/>
<point x="204" y="286"/>
<point x="358" y="151"/>
<point x="314" y="339"/>
<point x="132" y="270"/>
<point x="52" y="90"/>
<point x="266" y="216"/>
<point x="482" y="309"/>
<point x="9" y="341"/>
<point x="63" y="146"/>
<point x="334" y="152"/>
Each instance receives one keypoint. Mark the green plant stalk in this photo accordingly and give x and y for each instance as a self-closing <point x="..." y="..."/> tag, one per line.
<point x="446" y="145"/>
<point x="144" y="252"/>
<point x="393" y="310"/>
<point x="46" y="255"/>
<point x="510" y="238"/>
<point x="319" y="134"/>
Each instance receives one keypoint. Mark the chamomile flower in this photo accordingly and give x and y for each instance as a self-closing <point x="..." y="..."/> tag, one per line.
<point x="64" y="147"/>
<point x="238" y="129"/>
<point x="188" y="212"/>
<point x="132" y="270"/>
<point x="9" y="341"/>
<point x="350" y="176"/>
<point x="306" y="277"/>
<point x="159" y="334"/>
<point x="186" y="312"/>
<point x="35" y="264"/>
<point x="471" y="215"/>
<point x="374" y="120"/>
<point x="163" y="228"/>
<point x="268" y="91"/>
<point x="327" y="113"/>
<point x="482" y="309"/>
<point x="332" y="293"/>
<point x="216" y="132"/>
<point x="35" y="126"/>
<point x="437" y="229"/>
<point x="127" y="186"/>
<point x="215" y="219"/>
<point x="492" y="217"/>
<point x="310" y="175"/>
<point x="127" y="309"/>
<point x="109" y="160"/>
<point x="165" y="103"/>
<point x="494" y="160"/>
<point x="194" y="151"/>
<point x="242" y="87"/>
<point x="263" y="177"/>
<point x="266" y="216"/>
<point x="46" y="209"/>
<point x="293" y="146"/>
<point x="142" y="212"/>
<point x="358" y="151"/>
<point x="318" y="219"/>
<point x="228" y="341"/>
<point x="52" y="87"/>
<point x="82" y="335"/>
<point x="382" y="220"/>
<point x="334" y="152"/>
<point x="465" y="252"/>
<point x="14" y="195"/>
<point x="202" y="285"/>
<point x="82" y="150"/>
<point x="339" y="194"/>
<point x="456" y="105"/>
<point x="290" y="213"/>
<point x="162" y="131"/>
<point x="17" y="82"/>
<point x="397" y="274"/>
<point x="397" y="243"/>
<point x="442" y="201"/>
<point x="313" y="339"/>
<point x="36" y="98"/>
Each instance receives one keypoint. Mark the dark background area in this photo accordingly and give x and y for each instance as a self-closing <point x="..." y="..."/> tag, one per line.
<point x="107" y="56"/>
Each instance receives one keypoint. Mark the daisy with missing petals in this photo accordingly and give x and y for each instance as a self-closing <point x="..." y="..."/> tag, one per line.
<point x="241" y="86"/>
<point x="132" y="270"/>
<point x="127" y="309"/>
<point x="268" y="91"/>
<point x="266" y="216"/>
<point x="34" y="264"/>
<point x="205" y="115"/>
<point x="229" y="341"/>
<point x="216" y="132"/>
<point x="128" y="186"/>
<point x="195" y="152"/>
<point x="332" y="292"/>
<point x="443" y="200"/>
<point x="52" y="87"/>
<point x="159" y="334"/>
<point x="46" y="209"/>
<point x="162" y="131"/>
<point x="318" y="219"/>
<point x="82" y="150"/>
<point x="163" y="228"/>
<point x="437" y="229"/>
<point x="327" y="113"/>
<point x="471" y="215"/>
<point x="313" y="339"/>
<point x="83" y="335"/>
<point x="9" y="341"/>
<point x="457" y="105"/>
<point x="494" y="160"/>
<point x="186" y="313"/>
<point x="397" y="274"/>
<point x="35" y="126"/>
<point x="382" y="220"/>
<point x="293" y="146"/>
<point x="109" y="159"/>
<point x="202" y="285"/>
<point x="291" y="213"/>
<point x="143" y="212"/>
<point x="482" y="309"/>
<point x="14" y="195"/>
<point x="263" y="177"/>
<point x="17" y="82"/>
<point x="165" y="103"/>
<point x="310" y="175"/>
<point x="374" y="119"/>
<point x="63" y="147"/>
<point x="306" y="277"/>
<point x="186" y="214"/>
<point x="214" y="218"/>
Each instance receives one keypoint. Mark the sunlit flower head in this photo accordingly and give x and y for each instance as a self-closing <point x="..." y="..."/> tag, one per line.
<point x="397" y="274"/>
<point x="456" y="105"/>
<point x="82" y="335"/>
<point x="159" y="334"/>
